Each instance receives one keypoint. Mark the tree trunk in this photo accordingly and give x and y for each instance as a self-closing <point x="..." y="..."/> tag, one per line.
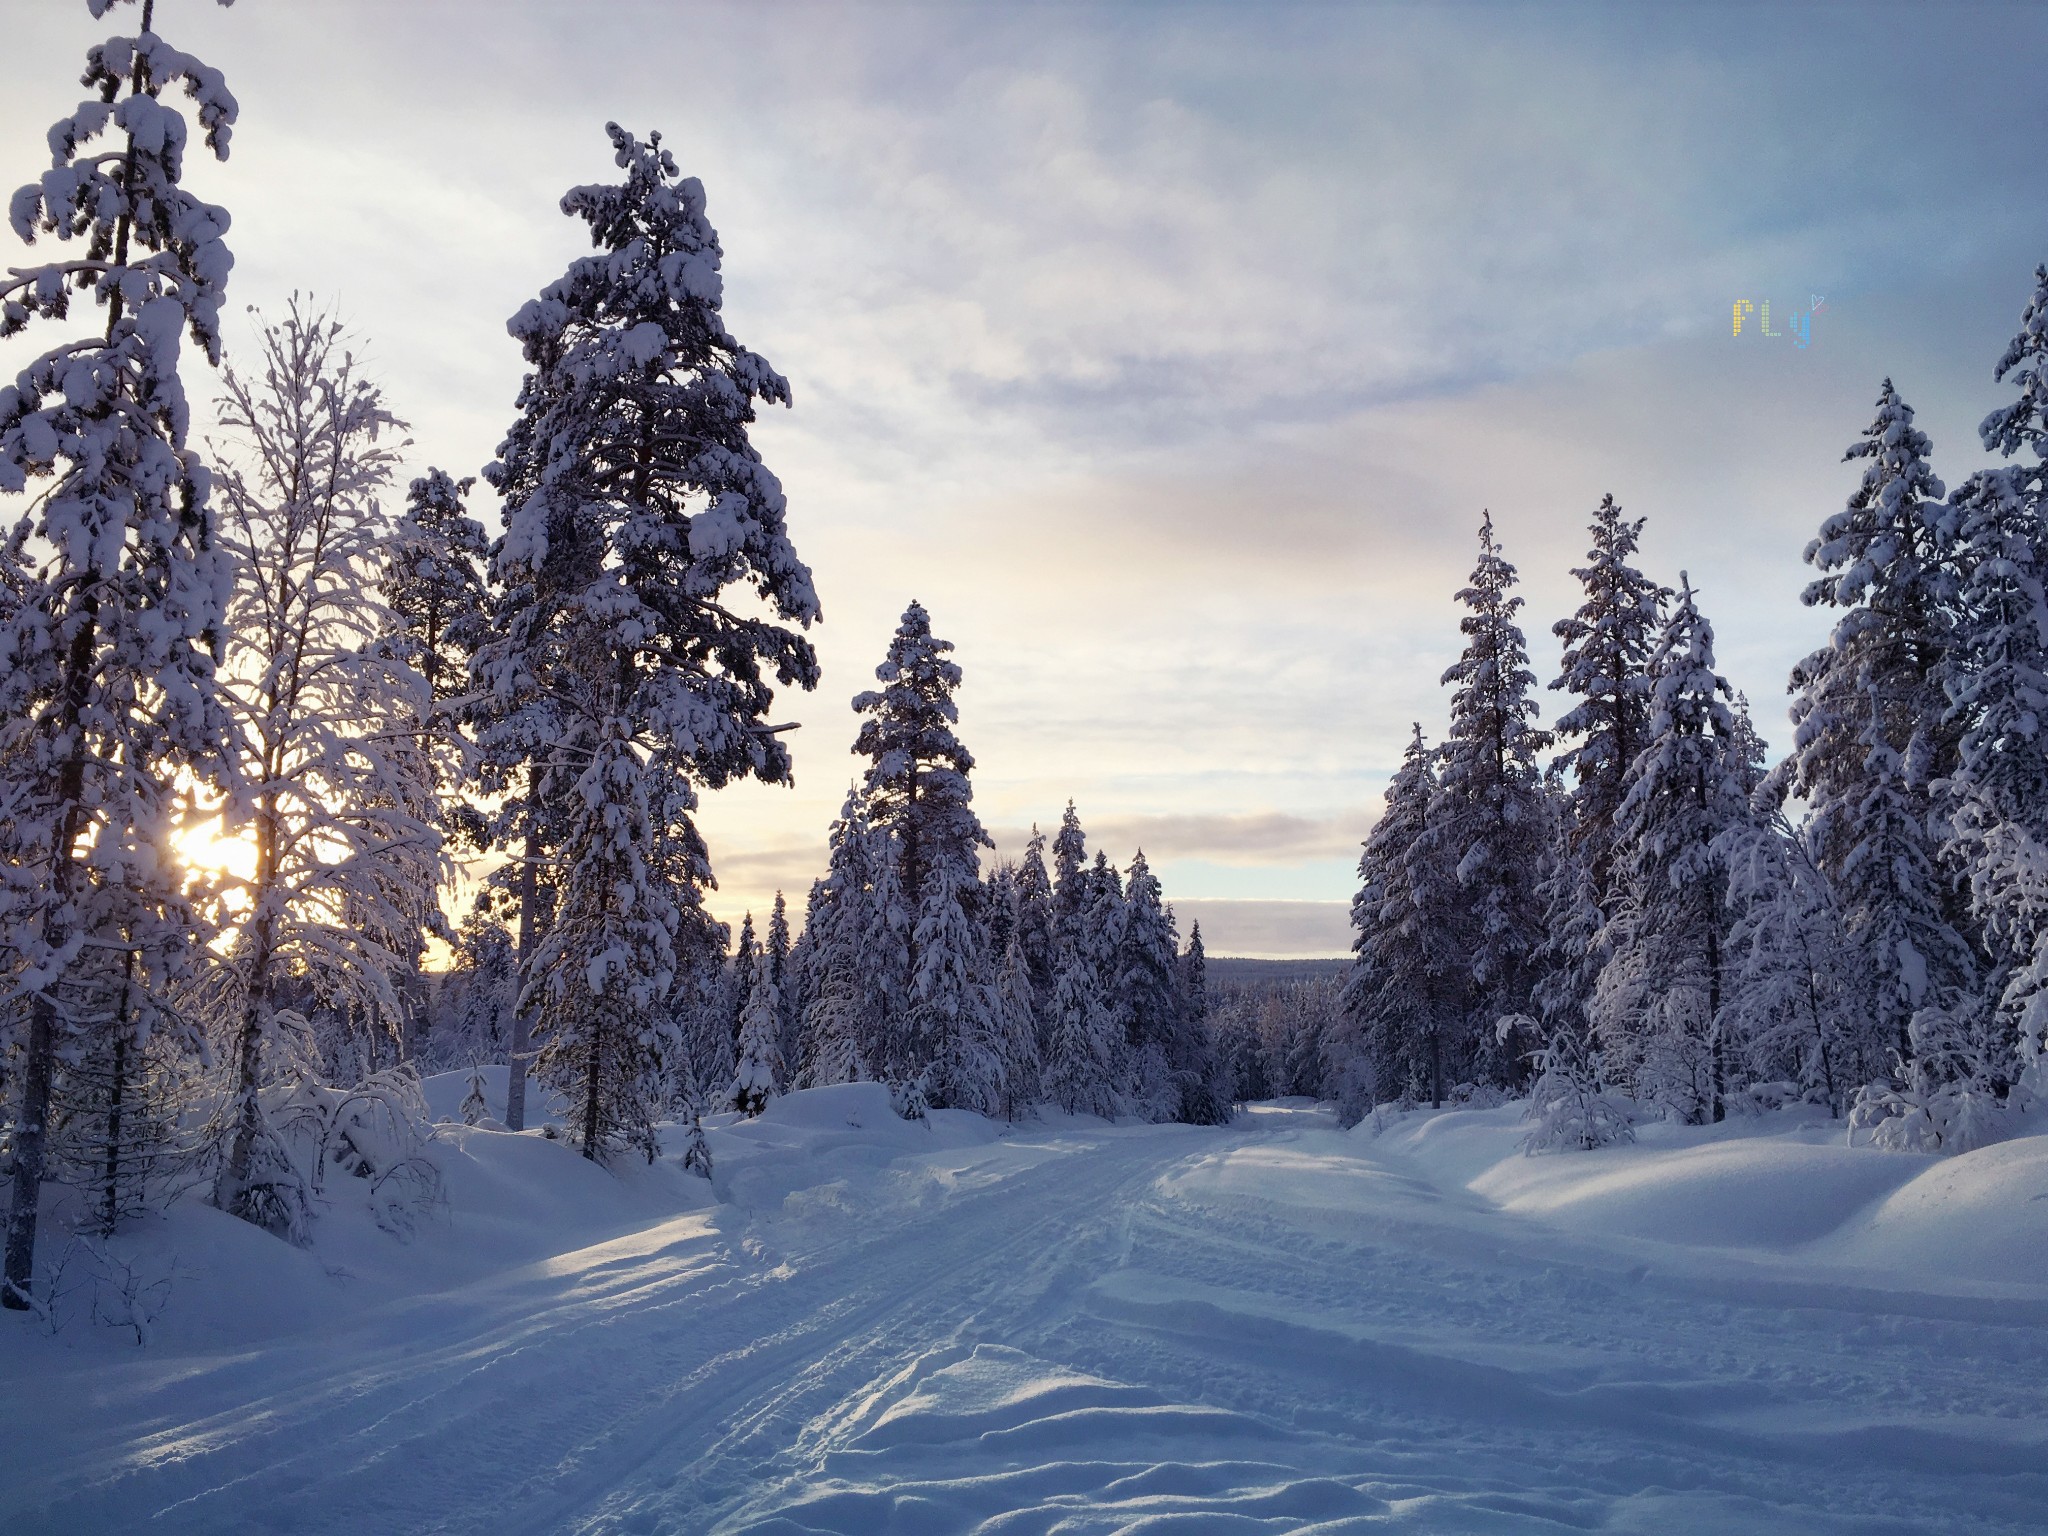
<point x="233" y="1182"/>
<point x="31" y="1144"/>
<point x="592" y="1094"/>
<point x="1718" y="1067"/>
<point x="117" y="1090"/>
<point x="31" y="1130"/>
<point x="522" y="1029"/>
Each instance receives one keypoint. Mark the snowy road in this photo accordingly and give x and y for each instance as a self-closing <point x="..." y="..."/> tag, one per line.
<point x="1269" y="1328"/>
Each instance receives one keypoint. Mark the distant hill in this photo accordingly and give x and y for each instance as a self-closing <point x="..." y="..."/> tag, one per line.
<point x="1231" y="973"/>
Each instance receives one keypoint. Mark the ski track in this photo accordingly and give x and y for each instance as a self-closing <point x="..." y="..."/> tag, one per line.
<point x="1077" y="1334"/>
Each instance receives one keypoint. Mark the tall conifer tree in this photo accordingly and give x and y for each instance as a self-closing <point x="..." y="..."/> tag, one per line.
<point x="1608" y="645"/>
<point x="106" y="672"/>
<point x="1489" y="823"/>
<point x="634" y="501"/>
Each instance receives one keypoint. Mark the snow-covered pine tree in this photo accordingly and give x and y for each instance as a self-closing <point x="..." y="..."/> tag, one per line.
<point x="1488" y="821"/>
<point x="1658" y="1005"/>
<point x="1070" y="889"/>
<point x="1081" y="1066"/>
<point x="477" y="994"/>
<point x="334" y="729"/>
<point x="1752" y="752"/>
<point x="996" y="906"/>
<point x="758" y="1077"/>
<point x="1102" y="940"/>
<point x="1174" y="1073"/>
<point x="1036" y="933"/>
<point x="1147" y="998"/>
<point x="1405" y="992"/>
<point x="885" y="968"/>
<point x="1996" y="678"/>
<point x="634" y="501"/>
<point x="106" y="676"/>
<point x="1194" y="973"/>
<point x="1608" y="644"/>
<point x="1870" y="737"/>
<point x="1013" y="1010"/>
<point x="951" y="1035"/>
<point x="836" y="1029"/>
<point x="433" y="582"/>
<point x="746" y="967"/>
<point x="695" y="1046"/>
<point x="916" y="782"/>
<point x="606" y="964"/>
<point x="775" y="957"/>
<point x="1794" y="1009"/>
<point x="1997" y="683"/>
<point x="1574" y="940"/>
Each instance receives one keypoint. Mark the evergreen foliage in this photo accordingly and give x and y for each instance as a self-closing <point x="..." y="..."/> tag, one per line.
<point x="116" y="585"/>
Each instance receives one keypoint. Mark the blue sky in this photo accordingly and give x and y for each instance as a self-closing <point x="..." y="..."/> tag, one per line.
<point x="1168" y="353"/>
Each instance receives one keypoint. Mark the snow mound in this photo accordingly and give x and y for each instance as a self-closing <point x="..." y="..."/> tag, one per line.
<point x="1777" y="1187"/>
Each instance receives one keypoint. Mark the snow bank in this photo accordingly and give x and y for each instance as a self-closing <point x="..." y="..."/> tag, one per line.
<point x="1781" y="1186"/>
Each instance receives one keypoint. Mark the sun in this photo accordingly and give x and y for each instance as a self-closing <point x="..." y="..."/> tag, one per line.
<point x="207" y="845"/>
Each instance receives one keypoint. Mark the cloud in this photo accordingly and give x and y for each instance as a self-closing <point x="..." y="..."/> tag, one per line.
<point x="1266" y="837"/>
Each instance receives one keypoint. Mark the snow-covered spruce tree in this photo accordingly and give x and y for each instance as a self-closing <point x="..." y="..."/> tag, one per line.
<point x="1406" y="990"/>
<point x="1997" y="683"/>
<point x="1870" y="738"/>
<point x="334" y="733"/>
<point x="434" y="582"/>
<point x="473" y="1024"/>
<point x="1147" y="998"/>
<point x="1657" y="1010"/>
<point x="1014" y="1032"/>
<point x="916" y="782"/>
<point x="607" y="961"/>
<point x="1194" y="972"/>
<point x="1164" y="1027"/>
<point x="1102" y="940"/>
<point x="746" y="966"/>
<point x="106" y="671"/>
<point x="1081" y="1066"/>
<point x="695" y="1046"/>
<point x="1608" y="644"/>
<point x="838" y="1031"/>
<point x="1568" y="1105"/>
<point x="996" y="906"/>
<point x="1488" y="822"/>
<point x="1793" y="1013"/>
<point x="758" y="1077"/>
<point x="633" y="502"/>
<point x="1752" y="752"/>
<point x="435" y="600"/>
<point x="775" y="951"/>
<point x="950" y="1032"/>
<point x="1070" y="889"/>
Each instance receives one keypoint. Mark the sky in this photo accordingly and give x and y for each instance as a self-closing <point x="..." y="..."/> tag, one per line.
<point x="1169" y="353"/>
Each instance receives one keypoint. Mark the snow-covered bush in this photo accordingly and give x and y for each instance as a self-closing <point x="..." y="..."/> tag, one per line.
<point x="377" y="1131"/>
<point x="1567" y="1109"/>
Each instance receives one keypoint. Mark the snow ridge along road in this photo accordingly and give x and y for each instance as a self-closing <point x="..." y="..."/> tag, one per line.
<point x="1274" y="1327"/>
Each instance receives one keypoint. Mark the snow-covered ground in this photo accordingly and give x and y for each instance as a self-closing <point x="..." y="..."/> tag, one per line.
<point x="1072" y="1327"/>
